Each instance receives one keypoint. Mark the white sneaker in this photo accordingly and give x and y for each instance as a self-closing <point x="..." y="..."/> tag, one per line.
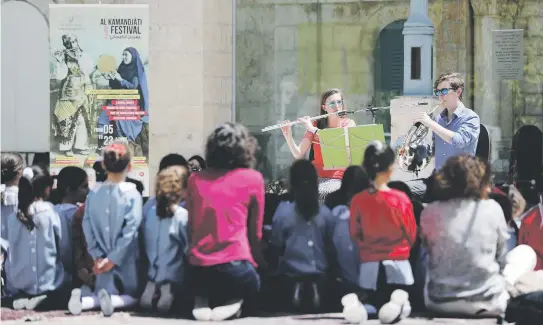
<point x="34" y="302"/>
<point x="146" y="300"/>
<point x="227" y="311"/>
<point x="349" y="300"/>
<point x="201" y="310"/>
<point x="20" y="303"/>
<point x="353" y="310"/>
<point x="397" y="309"/>
<point x="166" y="298"/>
<point x="74" y="305"/>
<point x="105" y="303"/>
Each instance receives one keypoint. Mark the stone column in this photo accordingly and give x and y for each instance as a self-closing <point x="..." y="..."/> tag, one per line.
<point x="418" y="32"/>
<point x="492" y="97"/>
<point x="417" y="93"/>
<point x="486" y="85"/>
<point x="190" y="76"/>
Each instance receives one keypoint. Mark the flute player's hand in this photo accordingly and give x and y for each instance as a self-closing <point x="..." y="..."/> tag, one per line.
<point x="307" y="123"/>
<point x="287" y="130"/>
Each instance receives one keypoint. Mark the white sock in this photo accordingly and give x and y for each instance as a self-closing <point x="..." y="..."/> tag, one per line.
<point x="89" y="303"/>
<point x="123" y="301"/>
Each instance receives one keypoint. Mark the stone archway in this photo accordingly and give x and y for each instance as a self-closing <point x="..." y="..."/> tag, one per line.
<point x="25" y="77"/>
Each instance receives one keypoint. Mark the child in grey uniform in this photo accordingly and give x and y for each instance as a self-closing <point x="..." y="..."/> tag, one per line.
<point x="165" y="238"/>
<point x="113" y="213"/>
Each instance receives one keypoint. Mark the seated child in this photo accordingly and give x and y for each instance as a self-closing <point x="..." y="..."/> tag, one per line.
<point x="113" y="214"/>
<point x="301" y="236"/>
<point x="383" y="226"/>
<point x="165" y="239"/>
<point x="71" y="191"/>
<point x="34" y="278"/>
<point x="347" y="259"/>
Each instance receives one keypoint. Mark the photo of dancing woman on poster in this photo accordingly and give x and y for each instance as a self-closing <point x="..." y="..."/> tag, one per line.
<point x="130" y="75"/>
<point x="71" y="125"/>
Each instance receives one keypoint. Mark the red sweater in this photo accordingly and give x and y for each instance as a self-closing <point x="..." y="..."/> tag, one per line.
<point x="382" y="225"/>
<point x="531" y="234"/>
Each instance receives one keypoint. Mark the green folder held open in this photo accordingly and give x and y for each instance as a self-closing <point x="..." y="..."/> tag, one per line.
<point x="343" y="147"/>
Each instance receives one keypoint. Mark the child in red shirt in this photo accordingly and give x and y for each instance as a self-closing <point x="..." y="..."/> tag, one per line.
<point x="225" y="204"/>
<point x="383" y="226"/>
<point x="531" y="233"/>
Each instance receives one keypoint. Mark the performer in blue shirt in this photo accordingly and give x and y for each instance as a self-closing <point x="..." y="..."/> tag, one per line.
<point x="455" y="130"/>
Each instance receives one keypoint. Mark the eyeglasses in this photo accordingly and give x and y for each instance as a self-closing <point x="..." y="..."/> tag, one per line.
<point x="443" y="91"/>
<point x="195" y="168"/>
<point x="335" y="103"/>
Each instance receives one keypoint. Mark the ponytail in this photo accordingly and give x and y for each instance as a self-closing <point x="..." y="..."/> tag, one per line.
<point x="12" y="165"/>
<point x="30" y="189"/>
<point x="371" y="180"/>
<point x="378" y="158"/>
<point x="26" y="198"/>
<point x="305" y="188"/>
<point x="170" y="190"/>
<point x="163" y="207"/>
<point x="117" y="157"/>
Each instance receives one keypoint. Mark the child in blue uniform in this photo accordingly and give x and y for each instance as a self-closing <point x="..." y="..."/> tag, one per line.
<point x="301" y="236"/>
<point x="12" y="171"/>
<point x="34" y="277"/>
<point x="72" y="189"/>
<point x="113" y="213"/>
<point x="165" y="237"/>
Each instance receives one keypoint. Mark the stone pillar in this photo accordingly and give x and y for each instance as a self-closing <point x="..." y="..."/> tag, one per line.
<point x="492" y="97"/>
<point x="486" y="86"/>
<point x="191" y="75"/>
<point x="418" y="32"/>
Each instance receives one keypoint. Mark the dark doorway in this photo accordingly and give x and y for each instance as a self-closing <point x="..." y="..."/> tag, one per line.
<point x="388" y="69"/>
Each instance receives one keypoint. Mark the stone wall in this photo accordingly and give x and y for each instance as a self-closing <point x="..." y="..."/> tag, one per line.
<point x="507" y="105"/>
<point x="531" y="20"/>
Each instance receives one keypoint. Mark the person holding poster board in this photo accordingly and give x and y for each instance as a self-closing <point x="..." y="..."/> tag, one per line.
<point x="332" y="101"/>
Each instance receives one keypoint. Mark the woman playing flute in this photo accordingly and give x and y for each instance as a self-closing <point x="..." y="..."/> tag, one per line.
<point x="331" y="102"/>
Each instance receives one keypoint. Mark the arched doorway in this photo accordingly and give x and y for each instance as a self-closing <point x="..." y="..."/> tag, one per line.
<point x="388" y="69"/>
<point x="25" y="78"/>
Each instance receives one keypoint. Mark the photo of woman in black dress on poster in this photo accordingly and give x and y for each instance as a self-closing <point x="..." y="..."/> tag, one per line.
<point x="129" y="75"/>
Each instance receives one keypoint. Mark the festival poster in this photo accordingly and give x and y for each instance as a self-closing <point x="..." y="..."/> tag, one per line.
<point x="99" y="65"/>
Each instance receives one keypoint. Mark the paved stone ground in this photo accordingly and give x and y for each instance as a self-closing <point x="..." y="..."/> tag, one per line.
<point x="326" y="319"/>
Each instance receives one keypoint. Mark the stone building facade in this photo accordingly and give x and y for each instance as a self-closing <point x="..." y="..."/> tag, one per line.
<point x="289" y="51"/>
<point x="262" y="61"/>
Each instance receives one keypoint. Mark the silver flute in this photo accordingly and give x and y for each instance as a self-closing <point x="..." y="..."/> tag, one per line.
<point x="340" y="113"/>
